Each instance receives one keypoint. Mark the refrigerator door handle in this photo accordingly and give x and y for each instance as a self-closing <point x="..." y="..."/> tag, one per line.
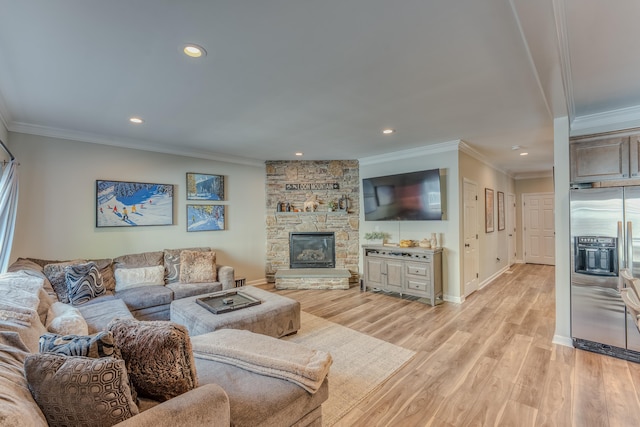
<point x="629" y="244"/>
<point x="621" y="255"/>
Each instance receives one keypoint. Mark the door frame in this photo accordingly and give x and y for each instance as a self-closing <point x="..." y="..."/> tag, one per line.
<point x="511" y="223"/>
<point x="466" y="181"/>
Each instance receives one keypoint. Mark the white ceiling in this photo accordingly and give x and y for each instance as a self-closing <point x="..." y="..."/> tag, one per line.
<point x="323" y="77"/>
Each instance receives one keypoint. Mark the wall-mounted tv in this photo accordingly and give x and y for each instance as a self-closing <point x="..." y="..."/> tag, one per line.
<point x="413" y="196"/>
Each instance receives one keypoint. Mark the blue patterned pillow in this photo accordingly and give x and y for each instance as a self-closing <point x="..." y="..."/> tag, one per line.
<point x="99" y="345"/>
<point x="84" y="282"/>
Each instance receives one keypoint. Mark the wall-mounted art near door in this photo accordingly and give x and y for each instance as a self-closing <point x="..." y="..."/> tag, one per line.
<point x="205" y="217"/>
<point x="202" y="186"/>
<point x="488" y="210"/>
<point x="501" y="211"/>
<point x="130" y="204"/>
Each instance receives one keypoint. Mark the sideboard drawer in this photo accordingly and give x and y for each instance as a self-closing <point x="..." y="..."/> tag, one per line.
<point x="417" y="269"/>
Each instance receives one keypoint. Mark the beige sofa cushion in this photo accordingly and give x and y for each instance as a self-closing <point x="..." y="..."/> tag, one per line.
<point x="17" y="407"/>
<point x="143" y="259"/>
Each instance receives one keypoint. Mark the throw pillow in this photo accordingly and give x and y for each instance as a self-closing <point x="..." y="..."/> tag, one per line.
<point x="64" y="319"/>
<point x="106" y="271"/>
<point x="158" y="355"/>
<point x="198" y="267"/>
<point x="98" y="345"/>
<point x="56" y="276"/>
<point x="84" y="282"/>
<point x="172" y="263"/>
<point x="127" y="278"/>
<point x="79" y="390"/>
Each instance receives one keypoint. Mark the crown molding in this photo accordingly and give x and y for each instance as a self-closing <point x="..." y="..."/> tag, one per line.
<point x="466" y="148"/>
<point x="532" y="63"/>
<point x="565" y="58"/>
<point x="442" y="147"/>
<point x="126" y="143"/>
<point x="622" y="118"/>
<point x="533" y="175"/>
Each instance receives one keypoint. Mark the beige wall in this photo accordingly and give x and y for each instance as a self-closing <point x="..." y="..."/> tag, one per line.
<point x="448" y="228"/>
<point x="56" y="209"/>
<point x="492" y="246"/>
<point x="526" y="186"/>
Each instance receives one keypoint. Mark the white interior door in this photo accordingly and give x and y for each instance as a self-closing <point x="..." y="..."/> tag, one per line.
<point x="539" y="231"/>
<point x="511" y="228"/>
<point x="471" y="260"/>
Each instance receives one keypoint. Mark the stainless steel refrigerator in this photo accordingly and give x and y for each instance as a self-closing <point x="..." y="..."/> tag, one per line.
<point x="603" y="221"/>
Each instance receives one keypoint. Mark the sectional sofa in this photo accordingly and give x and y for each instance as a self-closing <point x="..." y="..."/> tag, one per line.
<point x="225" y="395"/>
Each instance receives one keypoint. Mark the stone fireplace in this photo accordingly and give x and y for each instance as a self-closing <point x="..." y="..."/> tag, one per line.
<point x="312" y="249"/>
<point x="291" y="183"/>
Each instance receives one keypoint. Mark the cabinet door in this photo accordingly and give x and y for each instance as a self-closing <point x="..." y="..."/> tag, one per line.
<point x="394" y="275"/>
<point x="634" y="161"/>
<point x="599" y="160"/>
<point x="374" y="272"/>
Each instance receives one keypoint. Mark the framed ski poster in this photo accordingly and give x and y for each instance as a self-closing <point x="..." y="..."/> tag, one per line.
<point x="201" y="186"/>
<point x="132" y="204"/>
<point x="205" y="217"/>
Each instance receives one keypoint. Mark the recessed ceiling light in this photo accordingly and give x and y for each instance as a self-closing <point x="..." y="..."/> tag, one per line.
<point x="388" y="131"/>
<point x="515" y="147"/>
<point x="136" y="120"/>
<point x="299" y="154"/>
<point x="194" y="51"/>
<point x="524" y="154"/>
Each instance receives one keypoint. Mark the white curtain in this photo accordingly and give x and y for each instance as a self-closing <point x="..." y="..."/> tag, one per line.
<point x="8" y="211"/>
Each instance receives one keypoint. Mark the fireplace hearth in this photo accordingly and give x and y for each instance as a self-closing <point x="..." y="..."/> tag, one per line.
<point x="312" y="250"/>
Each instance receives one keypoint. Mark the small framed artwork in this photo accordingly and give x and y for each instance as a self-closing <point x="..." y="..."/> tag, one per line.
<point x="131" y="204"/>
<point x="201" y="186"/>
<point x="500" y="211"/>
<point x="488" y="210"/>
<point x="205" y="217"/>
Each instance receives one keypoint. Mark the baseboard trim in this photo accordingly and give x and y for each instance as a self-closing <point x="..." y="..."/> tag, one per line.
<point x="449" y="298"/>
<point x="261" y="281"/>
<point x="488" y="281"/>
<point x="562" y="340"/>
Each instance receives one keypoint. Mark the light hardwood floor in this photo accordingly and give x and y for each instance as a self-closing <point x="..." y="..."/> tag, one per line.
<point x="489" y="361"/>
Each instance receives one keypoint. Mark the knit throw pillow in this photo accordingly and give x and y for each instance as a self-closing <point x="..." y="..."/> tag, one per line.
<point x="56" y="275"/>
<point x="80" y="390"/>
<point x="84" y="282"/>
<point x="158" y="355"/>
<point x="198" y="267"/>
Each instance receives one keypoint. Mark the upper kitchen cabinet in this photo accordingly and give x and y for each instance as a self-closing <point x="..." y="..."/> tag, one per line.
<point x="603" y="158"/>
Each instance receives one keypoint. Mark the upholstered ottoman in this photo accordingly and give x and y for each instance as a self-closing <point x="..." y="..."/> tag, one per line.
<point x="276" y="315"/>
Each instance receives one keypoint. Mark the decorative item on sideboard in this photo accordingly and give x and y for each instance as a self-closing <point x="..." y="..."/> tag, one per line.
<point x="376" y="237"/>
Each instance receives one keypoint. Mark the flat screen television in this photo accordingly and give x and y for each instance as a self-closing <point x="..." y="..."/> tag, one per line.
<point x="413" y="196"/>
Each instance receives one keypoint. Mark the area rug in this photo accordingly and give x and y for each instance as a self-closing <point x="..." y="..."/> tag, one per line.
<point x="361" y="363"/>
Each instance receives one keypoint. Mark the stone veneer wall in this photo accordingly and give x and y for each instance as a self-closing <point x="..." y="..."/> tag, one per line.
<point x="345" y="225"/>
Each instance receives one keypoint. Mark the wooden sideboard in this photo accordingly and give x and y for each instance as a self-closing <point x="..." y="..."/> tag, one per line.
<point x="410" y="271"/>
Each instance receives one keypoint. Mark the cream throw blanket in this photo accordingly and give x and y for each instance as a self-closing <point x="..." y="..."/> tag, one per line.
<point x="19" y="303"/>
<point x="265" y="355"/>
